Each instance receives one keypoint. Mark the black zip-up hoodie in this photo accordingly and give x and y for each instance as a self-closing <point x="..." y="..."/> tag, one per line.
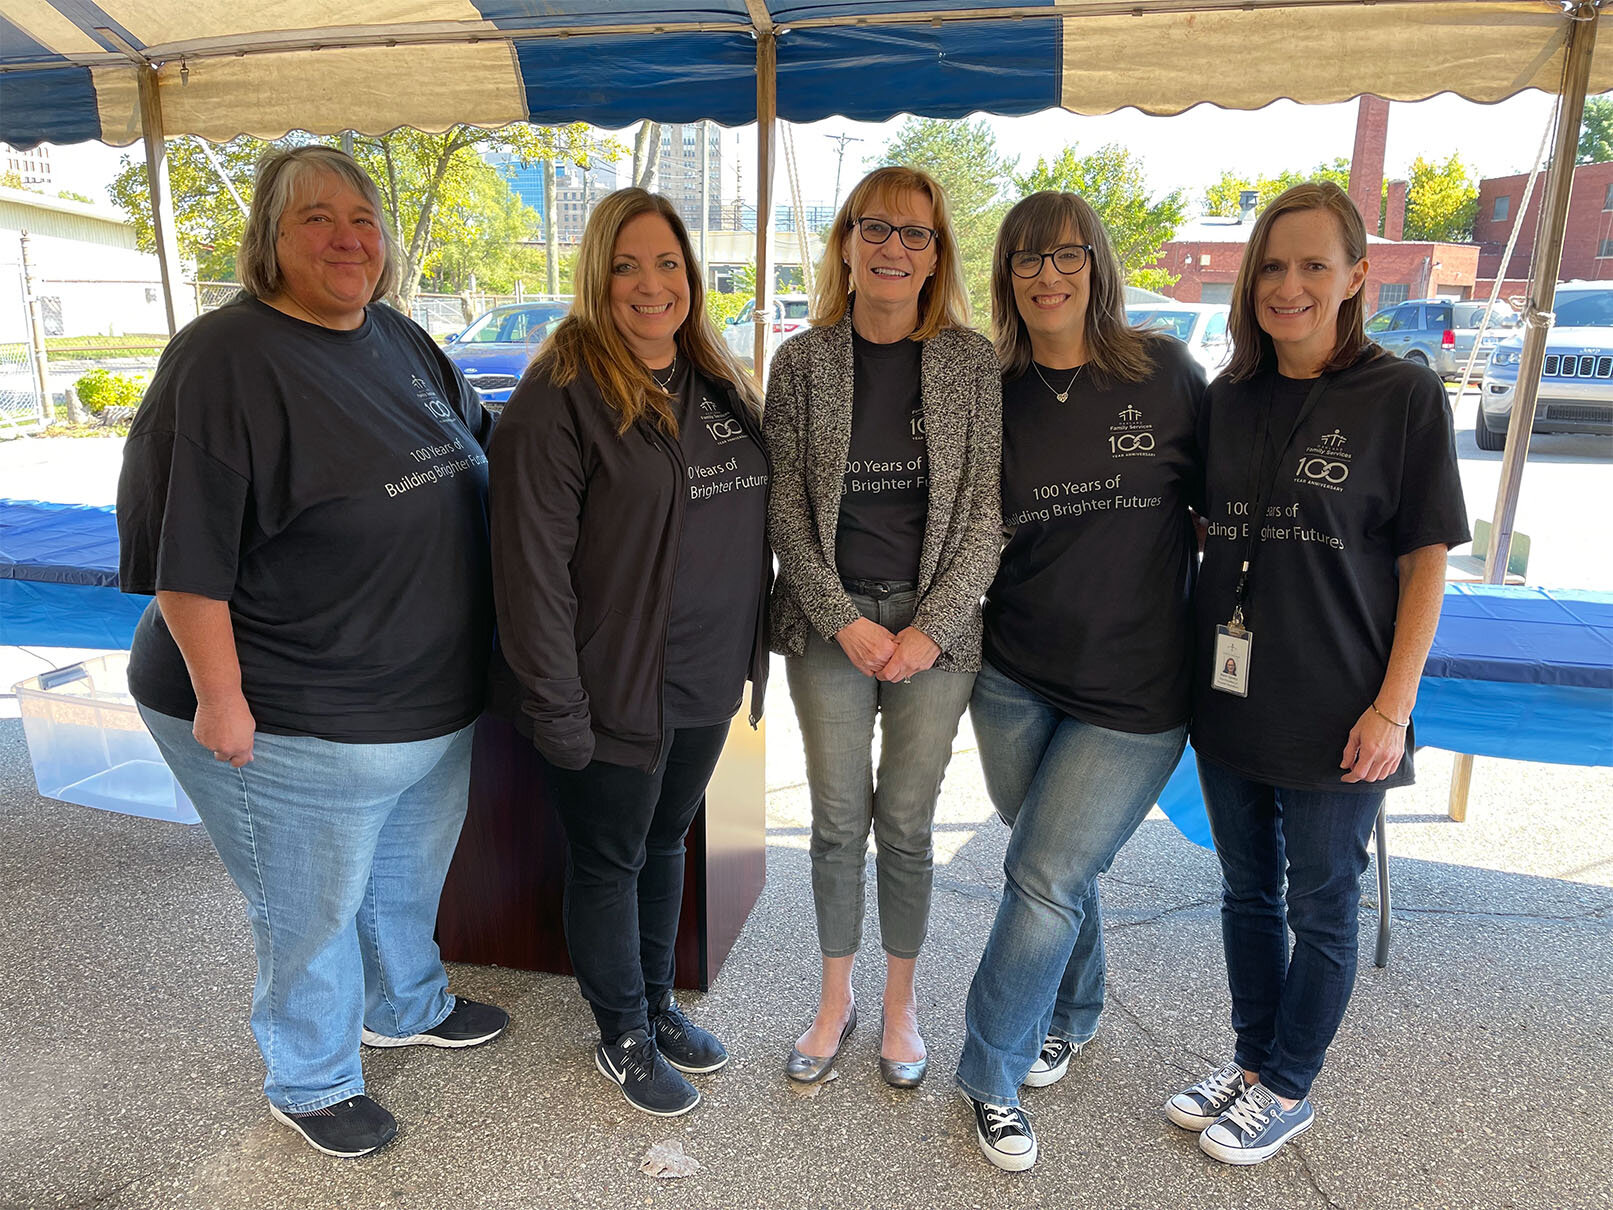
<point x="585" y="528"/>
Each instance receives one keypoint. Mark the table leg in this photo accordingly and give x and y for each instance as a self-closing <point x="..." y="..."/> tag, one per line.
<point x="1380" y="956"/>
<point x="1461" y="777"/>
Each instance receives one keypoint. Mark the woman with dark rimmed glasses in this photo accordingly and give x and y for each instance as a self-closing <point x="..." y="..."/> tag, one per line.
<point x="882" y="425"/>
<point x="1081" y="705"/>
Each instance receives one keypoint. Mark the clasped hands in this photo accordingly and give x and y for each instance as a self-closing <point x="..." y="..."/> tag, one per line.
<point x="876" y="652"/>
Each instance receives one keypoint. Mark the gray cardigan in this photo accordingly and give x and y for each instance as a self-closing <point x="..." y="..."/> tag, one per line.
<point x="807" y="426"/>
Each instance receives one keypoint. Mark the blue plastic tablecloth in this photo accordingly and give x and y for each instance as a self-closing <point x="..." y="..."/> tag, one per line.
<point x="59" y="576"/>
<point x="1525" y="673"/>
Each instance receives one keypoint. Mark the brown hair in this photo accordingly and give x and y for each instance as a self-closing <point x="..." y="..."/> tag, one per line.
<point x="587" y="339"/>
<point x="1251" y="347"/>
<point x="281" y="177"/>
<point x="943" y="301"/>
<point x="1115" y="348"/>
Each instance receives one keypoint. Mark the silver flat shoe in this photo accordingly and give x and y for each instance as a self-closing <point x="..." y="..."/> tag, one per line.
<point x="809" y="1069"/>
<point x="903" y="1075"/>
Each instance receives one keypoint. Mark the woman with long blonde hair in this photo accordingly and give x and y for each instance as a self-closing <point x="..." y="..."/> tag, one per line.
<point x="630" y="569"/>
<point x="883" y="423"/>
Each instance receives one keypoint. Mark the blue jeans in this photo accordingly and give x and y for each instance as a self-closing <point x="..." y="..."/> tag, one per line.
<point x="837" y="706"/>
<point x="340" y="851"/>
<point x="1287" y="1007"/>
<point x="1073" y="794"/>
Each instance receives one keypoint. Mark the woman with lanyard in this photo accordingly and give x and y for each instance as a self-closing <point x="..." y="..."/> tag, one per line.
<point x="1081" y="704"/>
<point x="883" y="423"/>
<point x="630" y="573"/>
<point x="1333" y="496"/>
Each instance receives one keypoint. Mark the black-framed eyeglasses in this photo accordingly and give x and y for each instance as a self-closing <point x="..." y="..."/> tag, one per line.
<point x="876" y="231"/>
<point x="1071" y="258"/>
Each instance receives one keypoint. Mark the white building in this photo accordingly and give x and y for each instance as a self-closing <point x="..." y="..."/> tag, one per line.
<point x="90" y="278"/>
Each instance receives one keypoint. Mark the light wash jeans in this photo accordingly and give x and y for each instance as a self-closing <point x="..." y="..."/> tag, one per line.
<point x="340" y="851"/>
<point x="837" y="706"/>
<point x="1073" y="793"/>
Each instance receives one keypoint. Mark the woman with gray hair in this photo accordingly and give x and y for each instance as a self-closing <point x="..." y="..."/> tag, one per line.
<point x="304" y="490"/>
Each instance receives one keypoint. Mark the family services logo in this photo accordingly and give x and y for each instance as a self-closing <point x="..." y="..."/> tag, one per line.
<point x="1326" y="463"/>
<point x="1133" y="437"/>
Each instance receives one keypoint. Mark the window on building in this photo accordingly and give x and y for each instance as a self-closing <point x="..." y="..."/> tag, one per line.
<point x="1216" y="292"/>
<point x="1393" y="292"/>
<point x="1607" y="198"/>
<point x="1606" y="248"/>
<point x="1503" y="207"/>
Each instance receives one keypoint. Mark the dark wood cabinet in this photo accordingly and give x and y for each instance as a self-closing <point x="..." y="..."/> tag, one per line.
<point x="501" y="902"/>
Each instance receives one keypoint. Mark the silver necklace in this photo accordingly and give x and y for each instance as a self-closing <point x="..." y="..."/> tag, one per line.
<point x="671" y="373"/>
<point x="1064" y="395"/>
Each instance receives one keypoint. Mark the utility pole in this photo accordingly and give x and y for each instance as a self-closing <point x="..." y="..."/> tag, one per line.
<point x="840" y="159"/>
<point x="36" y="335"/>
<point x="704" y="128"/>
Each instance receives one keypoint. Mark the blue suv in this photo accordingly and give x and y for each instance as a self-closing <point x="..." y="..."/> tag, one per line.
<point x="493" y="352"/>
<point x="1576" y="380"/>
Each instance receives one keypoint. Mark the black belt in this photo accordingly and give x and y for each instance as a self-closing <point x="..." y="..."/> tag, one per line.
<point x="878" y="589"/>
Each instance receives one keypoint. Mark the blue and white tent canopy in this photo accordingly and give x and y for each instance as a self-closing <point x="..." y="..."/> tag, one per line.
<point x="68" y="68"/>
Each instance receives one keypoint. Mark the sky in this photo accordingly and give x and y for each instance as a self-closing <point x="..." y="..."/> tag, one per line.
<point x="1187" y="151"/>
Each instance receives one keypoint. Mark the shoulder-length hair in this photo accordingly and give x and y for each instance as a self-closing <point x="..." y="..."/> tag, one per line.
<point x="587" y="339"/>
<point x="1041" y="222"/>
<point x="943" y="301"/>
<point x="1251" y="347"/>
<point x="282" y="177"/>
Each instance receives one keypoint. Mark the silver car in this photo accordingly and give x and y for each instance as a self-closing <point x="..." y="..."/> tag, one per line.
<point x="789" y="317"/>
<point x="1202" y="327"/>
<point x="1439" y="332"/>
<point x="1576" y="378"/>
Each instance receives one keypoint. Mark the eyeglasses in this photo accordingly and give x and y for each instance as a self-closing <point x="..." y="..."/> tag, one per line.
<point x="1071" y="258"/>
<point x="876" y="231"/>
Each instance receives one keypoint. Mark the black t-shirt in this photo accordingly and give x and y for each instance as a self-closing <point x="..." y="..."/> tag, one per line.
<point x="880" y="533"/>
<point x="717" y="587"/>
<point x="1091" y="604"/>
<point x="1371" y="474"/>
<point x="331" y="487"/>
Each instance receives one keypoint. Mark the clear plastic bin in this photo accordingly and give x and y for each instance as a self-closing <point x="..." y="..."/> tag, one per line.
<point x="89" y="745"/>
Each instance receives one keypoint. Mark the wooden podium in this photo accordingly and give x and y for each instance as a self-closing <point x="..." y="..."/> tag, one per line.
<point x="501" y="902"/>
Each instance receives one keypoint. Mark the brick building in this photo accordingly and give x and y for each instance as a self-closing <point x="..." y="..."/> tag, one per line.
<point x="1588" y="238"/>
<point x="1206" y="253"/>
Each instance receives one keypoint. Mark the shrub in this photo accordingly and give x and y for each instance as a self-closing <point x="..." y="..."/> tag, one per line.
<point x="101" y="389"/>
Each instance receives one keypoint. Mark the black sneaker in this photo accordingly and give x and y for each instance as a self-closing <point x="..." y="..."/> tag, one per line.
<point x="469" y="1024"/>
<point x="1052" y="1063"/>
<point x="685" y="1045"/>
<point x="356" y="1126"/>
<point x="1004" y="1134"/>
<point x="646" y="1079"/>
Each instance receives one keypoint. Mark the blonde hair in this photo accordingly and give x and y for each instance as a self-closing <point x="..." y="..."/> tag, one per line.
<point x="1115" y="349"/>
<point x="587" y="339"/>
<point x="943" y="301"/>
<point x="281" y="177"/>
<point x="1251" y="347"/>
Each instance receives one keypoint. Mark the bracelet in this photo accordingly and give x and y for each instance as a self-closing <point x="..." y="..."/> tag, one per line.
<point x="1389" y="720"/>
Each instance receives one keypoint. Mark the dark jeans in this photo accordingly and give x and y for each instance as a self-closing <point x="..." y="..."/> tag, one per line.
<point x="1287" y="1007"/>
<point x="624" y="871"/>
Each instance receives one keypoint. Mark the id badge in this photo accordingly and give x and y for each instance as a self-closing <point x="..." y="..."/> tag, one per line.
<point x="1230" y="673"/>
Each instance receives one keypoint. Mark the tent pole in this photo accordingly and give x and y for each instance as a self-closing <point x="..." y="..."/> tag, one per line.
<point x="162" y="202"/>
<point x="1543" y="283"/>
<point x="766" y="123"/>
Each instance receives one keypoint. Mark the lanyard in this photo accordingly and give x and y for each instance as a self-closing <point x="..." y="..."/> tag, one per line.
<point x="1257" y="513"/>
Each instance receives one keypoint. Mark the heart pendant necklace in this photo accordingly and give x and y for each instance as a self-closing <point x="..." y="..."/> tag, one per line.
<point x="1064" y="395"/>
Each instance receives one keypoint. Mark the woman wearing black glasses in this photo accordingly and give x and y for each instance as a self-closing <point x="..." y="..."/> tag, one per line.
<point x="1081" y="706"/>
<point x="882" y="423"/>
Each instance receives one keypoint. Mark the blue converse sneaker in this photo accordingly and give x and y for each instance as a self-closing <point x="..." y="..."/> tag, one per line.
<point x="1052" y="1063"/>
<point x="1255" y="1127"/>
<point x="1196" y="1108"/>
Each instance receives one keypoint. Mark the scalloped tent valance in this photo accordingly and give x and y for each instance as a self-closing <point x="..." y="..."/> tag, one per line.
<point x="69" y="68"/>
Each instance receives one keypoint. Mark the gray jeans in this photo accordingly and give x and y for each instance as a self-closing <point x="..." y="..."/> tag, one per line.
<point x="837" y="706"/>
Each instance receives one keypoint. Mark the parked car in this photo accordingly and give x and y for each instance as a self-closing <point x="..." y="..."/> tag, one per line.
<point x="1439" y="332"/>
<point x="789" y="317"/>
<point x="494" y="350"/>
<point x="1202" y="327"/>
<point x="1576" y="378"/>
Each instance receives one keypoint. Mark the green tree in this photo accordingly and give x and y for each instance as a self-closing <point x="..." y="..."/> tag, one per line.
<point x="437" y="192"/>
<point x="1441" y="201"/>
<point x="1112" y="181"/>
<point x="1596" y="131"/>
<point x="963" y="157"/>
<point x="1222" y="198"/>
